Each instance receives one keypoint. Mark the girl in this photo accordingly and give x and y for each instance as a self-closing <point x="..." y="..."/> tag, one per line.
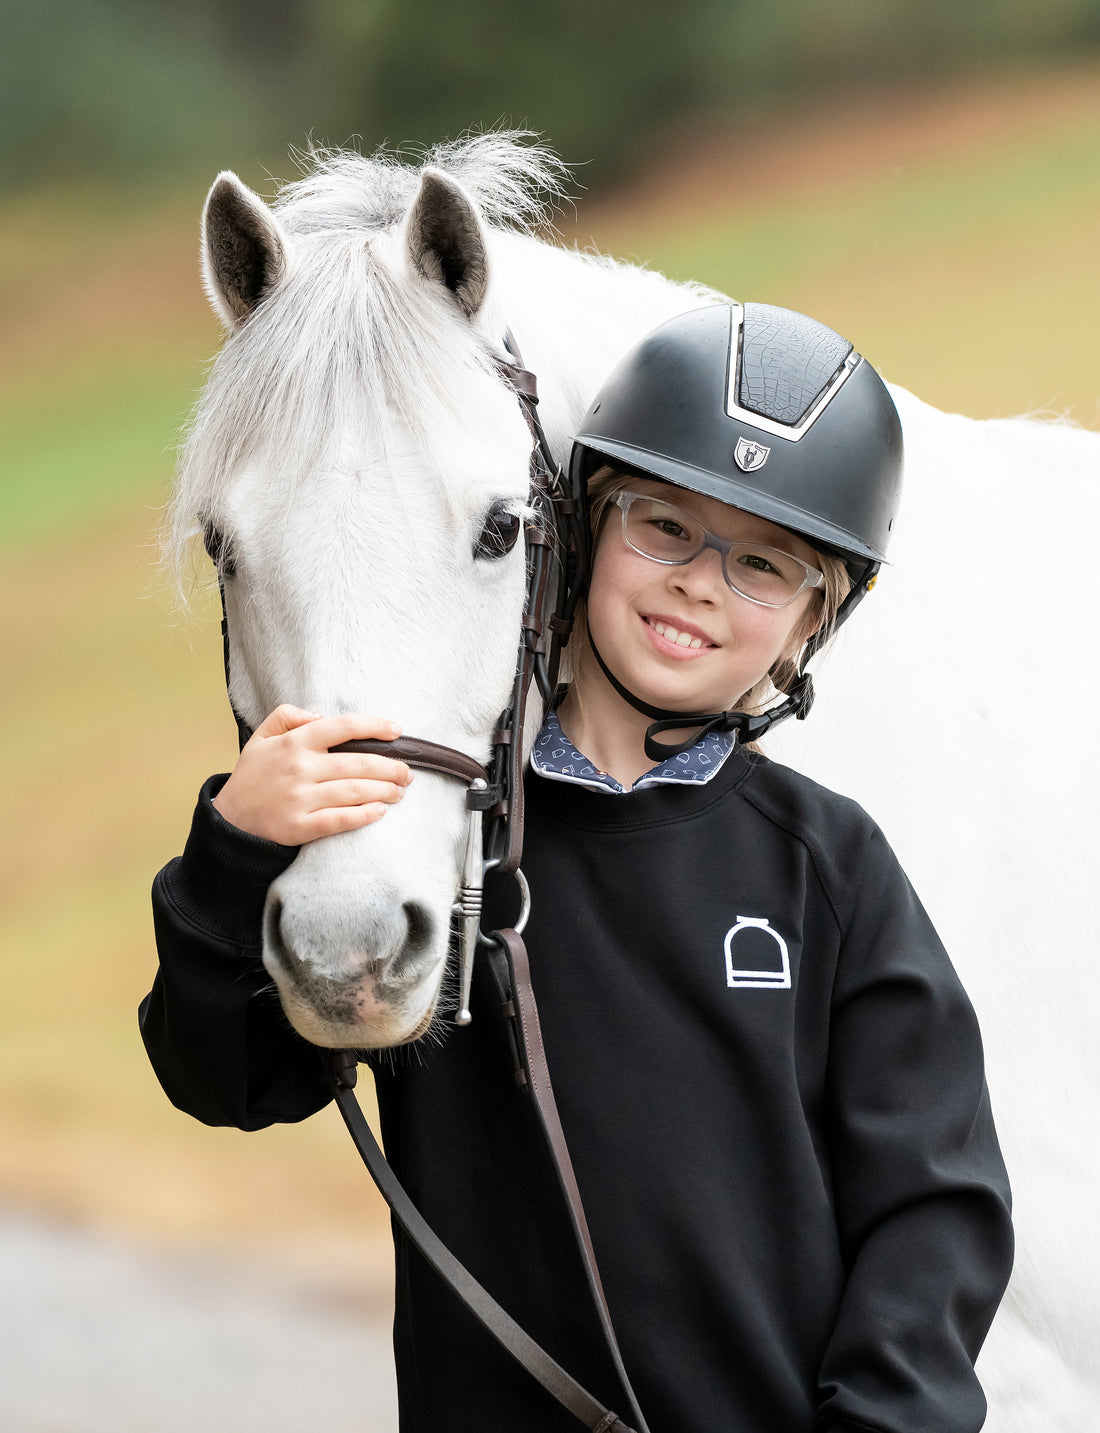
<point x="769" y="1076"/>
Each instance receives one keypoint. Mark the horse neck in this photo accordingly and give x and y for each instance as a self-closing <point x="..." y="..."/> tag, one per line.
<point x="574" y="316"/>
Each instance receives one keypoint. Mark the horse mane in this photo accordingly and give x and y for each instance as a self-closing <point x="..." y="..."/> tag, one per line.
<point x="347" y="332"/>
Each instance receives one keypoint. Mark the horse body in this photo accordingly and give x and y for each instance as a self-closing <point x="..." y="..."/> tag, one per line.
<point x="960" y="711"/>
<point x="353" y="442"/>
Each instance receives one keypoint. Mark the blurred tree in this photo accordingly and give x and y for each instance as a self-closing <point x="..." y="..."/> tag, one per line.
<point x="111" y="86"/>
<point x="598" y="78"/>
<point x="127" y="87"/>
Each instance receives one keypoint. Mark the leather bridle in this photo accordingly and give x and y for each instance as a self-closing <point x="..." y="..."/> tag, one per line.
<point x="557" y="553"/>
<point x="556" y="542"/>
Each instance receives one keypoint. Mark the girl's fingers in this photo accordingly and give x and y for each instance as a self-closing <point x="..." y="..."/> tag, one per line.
<point x="348" y="766"/>
<point x="334" y="819"/>
<point x="283" y="719"/>
<point x="356" y="793"/>
<point x="288" y="787"/>
<point x="334" y="730"/>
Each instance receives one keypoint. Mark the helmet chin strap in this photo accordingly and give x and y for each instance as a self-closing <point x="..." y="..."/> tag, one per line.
<point x="796" y="702"/>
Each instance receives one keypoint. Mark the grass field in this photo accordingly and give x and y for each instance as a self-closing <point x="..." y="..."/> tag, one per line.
<point x="953" y="237"/>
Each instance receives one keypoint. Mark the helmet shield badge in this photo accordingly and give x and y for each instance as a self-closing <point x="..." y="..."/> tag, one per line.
<point x="750" y="455"/>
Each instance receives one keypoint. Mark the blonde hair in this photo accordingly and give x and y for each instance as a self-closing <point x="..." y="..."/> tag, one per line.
<point x="605" y="485"/>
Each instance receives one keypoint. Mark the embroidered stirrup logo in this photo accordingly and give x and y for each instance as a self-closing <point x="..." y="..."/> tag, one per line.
<point x="763" y="974"/>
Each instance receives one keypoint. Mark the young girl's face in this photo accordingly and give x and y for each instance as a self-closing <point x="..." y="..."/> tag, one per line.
<point x="631" y="595"/>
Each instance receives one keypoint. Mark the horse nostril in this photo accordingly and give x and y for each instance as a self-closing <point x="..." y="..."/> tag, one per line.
<point x="420" y="929"/>
<point x="408" y="961"/>
<point x="274" y="943"/>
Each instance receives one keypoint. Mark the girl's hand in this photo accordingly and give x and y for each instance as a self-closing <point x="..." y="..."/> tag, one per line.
<point x="289" y="788"/>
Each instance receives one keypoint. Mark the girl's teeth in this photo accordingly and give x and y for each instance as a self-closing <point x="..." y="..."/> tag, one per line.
<point x="682" y="639"/>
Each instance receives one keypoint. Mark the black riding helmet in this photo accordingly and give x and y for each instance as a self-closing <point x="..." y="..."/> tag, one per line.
<point x="771" y="412"/>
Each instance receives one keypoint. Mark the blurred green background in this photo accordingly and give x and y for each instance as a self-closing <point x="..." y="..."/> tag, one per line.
<point x="925" y="177"/>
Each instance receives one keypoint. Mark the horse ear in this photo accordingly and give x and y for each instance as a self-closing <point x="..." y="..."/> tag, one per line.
<point x="445" y="239"/>
<point x="243" y="251"/>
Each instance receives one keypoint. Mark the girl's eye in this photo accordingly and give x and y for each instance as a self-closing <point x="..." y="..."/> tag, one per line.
<point x="219" y="551"/>
<point x="669" y="527"/>
<point x="757" y="563"/>
<point x="499" y="535"/>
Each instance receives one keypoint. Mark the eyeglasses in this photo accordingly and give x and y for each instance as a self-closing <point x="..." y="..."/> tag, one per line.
<point x="665" y="533"/>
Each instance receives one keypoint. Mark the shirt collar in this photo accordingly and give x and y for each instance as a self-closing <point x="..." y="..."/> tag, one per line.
<point x="555" y="757"/>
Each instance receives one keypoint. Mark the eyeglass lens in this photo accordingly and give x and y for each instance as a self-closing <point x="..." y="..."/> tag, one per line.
<point x="667" y="534"/>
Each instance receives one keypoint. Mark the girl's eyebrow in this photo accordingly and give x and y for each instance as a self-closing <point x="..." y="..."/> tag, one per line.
<point x="781" y="540"/>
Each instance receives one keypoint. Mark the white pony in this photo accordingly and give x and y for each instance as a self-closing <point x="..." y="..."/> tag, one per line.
<point x="355" y="440"/>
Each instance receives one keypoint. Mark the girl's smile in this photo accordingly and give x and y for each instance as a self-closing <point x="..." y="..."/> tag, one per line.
<point x="677" y="637"/>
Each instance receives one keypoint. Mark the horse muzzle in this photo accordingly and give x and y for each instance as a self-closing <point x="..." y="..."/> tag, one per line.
<point x="362" y="984"/>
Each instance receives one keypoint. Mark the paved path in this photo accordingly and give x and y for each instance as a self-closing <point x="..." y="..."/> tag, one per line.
<point x="102" y="1336"/>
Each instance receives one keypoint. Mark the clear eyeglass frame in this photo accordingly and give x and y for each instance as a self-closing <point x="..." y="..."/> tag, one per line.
<point x="811" y="576"/>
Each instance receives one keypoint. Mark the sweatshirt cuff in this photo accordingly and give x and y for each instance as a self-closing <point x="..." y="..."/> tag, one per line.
<point x="220" y="882"/>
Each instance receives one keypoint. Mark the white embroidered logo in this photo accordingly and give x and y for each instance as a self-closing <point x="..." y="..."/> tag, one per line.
<point x="762" y="976"/>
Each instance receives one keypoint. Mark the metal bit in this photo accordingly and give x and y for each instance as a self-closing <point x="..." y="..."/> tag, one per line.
<point x="468" y="907"/>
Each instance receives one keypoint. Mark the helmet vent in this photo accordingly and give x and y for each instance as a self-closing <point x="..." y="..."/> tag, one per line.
<point x="786" y="362"/>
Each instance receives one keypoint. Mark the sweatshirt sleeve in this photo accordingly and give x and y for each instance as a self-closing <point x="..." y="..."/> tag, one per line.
<point x="212" y="1024"/>
<point x="921" y="1192"/>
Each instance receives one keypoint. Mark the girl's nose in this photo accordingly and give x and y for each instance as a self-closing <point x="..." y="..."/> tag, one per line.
<point x="703" y="578"/>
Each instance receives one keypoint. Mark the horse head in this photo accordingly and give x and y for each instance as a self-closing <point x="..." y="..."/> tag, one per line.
<point x="355" y="459"/>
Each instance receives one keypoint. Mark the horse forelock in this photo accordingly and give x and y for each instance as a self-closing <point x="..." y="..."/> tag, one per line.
<point x="514" y="181"/>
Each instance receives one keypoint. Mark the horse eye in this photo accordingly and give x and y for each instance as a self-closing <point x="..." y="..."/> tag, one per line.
<point x="498" y="536"/>
<point x="219" y="551"/>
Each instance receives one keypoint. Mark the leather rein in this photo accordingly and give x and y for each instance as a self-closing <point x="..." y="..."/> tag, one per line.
<point x="556" y="540"/>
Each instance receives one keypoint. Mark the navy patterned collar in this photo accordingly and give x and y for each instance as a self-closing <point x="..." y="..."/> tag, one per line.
<point x="555" y="757"/>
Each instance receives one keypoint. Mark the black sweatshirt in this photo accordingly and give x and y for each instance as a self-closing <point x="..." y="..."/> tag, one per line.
<point x="772" y="1086"/>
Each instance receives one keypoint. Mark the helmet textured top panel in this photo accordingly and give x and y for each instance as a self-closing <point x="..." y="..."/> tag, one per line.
<point x="787" y="361"/>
